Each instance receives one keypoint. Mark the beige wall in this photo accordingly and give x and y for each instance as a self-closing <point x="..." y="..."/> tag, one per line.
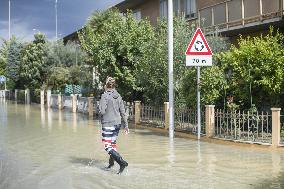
<point x="150" y="9"/>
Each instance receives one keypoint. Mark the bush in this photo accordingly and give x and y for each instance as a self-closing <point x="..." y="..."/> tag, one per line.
<point x="35" y="95"/>
<point x="255" y="69"/>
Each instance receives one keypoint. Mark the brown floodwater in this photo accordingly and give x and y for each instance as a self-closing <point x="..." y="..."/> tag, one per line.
<point x="50" y="149"/>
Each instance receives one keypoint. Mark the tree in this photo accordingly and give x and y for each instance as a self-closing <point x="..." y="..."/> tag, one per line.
<point x="255" y="68"/>
<point x="58" y="77"/>
<point x="135" y="53"/>
<point x="185" y="77"/>
<point x="212" y="81"/>
<point x="117" y="45"/>
<point x="67" y="55"/>
<point x="3" y="56"/>
<point x="34" y="54"/>
<point x="14" y="60"/>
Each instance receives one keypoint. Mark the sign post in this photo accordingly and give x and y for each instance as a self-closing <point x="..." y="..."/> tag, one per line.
<point x="3" y="79"/>
<point x="198" y="54"/>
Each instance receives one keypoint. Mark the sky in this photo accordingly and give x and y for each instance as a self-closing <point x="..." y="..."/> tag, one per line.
<point x="31" y="16"/>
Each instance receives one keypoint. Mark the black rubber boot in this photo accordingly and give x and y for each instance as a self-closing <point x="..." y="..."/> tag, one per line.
<point x="119" y="160"/>
<point x="110" y="162"/>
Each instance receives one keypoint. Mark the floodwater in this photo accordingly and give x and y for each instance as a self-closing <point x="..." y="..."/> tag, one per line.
<point x="47" y="149"/>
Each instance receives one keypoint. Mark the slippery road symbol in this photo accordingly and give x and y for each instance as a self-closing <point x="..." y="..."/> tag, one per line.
<point x="199" y="46"/>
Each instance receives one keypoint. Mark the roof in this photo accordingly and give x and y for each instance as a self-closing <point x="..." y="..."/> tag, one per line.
<point x="128" y="4"/>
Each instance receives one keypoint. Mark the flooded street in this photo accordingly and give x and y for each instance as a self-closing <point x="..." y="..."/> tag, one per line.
<point x="47" y="149"/>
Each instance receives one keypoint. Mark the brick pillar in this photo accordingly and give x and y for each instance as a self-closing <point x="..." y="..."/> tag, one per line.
<point x="137" y="111"/>
<point x="91" y="106"/>
<point x="59" y="101"/>
<point x="210" y="120"/>
<point x="275" y="126"/>
<point x="167" y="115"/>
<point x="74" y="103"/>
<point x="16" y="95"/>
<point x="42" y="97"/>
<point x="48" y="98"/>
<point x="27" y="96"/>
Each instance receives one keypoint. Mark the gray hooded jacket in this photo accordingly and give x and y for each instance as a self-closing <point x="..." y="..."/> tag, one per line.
<point x="112" y="109"/>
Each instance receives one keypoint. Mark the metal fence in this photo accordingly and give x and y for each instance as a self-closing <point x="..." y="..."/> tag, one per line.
<point x="96" y="109"/>
<point x="152" y="116"/>
<point x="67" y="102"/>
<point x="21" y="95"/>
<point x="186" y="120"/>
<point x="129" y="109"/>
<point x="54" y="101"/>
<point x="82" y="105"/>
<point x="248" y="126"/>
<point x="282" y="130"/>
<point x="35" y="96"/>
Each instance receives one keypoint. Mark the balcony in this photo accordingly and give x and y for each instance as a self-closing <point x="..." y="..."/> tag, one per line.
<point x="237" y="14"/>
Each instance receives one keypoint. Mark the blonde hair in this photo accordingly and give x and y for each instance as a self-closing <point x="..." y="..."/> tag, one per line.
<point x="110" y="82"/>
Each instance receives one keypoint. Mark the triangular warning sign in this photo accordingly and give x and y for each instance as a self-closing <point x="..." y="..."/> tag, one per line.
<point x="198" y="45"/>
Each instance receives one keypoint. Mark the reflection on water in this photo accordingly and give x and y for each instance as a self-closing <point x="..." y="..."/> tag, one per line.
<point x="60" y="119"/>
<point x="50" y="149"/>
<point x="42" y="116"/>
<point x="49" y="119"/>
<point x="74" y="123"/>
<point x="171" y="156"/>
<point x="27" y="112"/>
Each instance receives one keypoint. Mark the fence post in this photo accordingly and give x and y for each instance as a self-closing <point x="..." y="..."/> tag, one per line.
<point x="74" y="103"/>
<point x="167" y="115"/>
<point x="137" y="111"/>
<point x="48" y="98"/>
<point x="16" y="95"/>
<point x="210" y="120"/>
<point x="91" y="106"/>
<point x="275" y="126"/>
<point x="42" y="97"/>
<point x="59" y="99"/>
<point x="27" y="96"/>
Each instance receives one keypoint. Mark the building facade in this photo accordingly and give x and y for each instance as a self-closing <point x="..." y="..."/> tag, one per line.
<point x="228" y="17"/>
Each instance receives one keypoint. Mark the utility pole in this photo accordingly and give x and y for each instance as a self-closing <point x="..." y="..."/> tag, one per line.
<point x="56" y="19"/>
<point x="9" y="19"/>
<point x="171" y="67"/>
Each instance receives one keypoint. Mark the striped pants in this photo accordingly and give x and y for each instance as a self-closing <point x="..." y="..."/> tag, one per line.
<point x="109" y="135"/>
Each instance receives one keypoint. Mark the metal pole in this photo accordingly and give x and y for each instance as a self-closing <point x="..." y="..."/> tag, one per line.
<point x="76" y="55"/>
<point x="198" y="102"/>
<point x="9" y="19"/>
<point x="171" y="68"/>
<point x="56" y="19"/>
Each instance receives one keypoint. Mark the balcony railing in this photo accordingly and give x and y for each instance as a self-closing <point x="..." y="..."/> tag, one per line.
<point x="233" y="13"/>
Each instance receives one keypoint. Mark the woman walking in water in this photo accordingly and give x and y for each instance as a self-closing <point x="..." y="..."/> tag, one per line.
<point x="113" y="114"/>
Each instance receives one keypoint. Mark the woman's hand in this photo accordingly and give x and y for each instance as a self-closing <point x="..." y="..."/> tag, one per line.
<point x="126" y="130"/>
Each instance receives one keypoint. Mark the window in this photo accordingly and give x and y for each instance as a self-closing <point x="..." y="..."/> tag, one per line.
<point x="137" y="14"/>
<point x="190" y="8"/>
<point x="176" y="4"/>
<point x="163" y="9"/>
